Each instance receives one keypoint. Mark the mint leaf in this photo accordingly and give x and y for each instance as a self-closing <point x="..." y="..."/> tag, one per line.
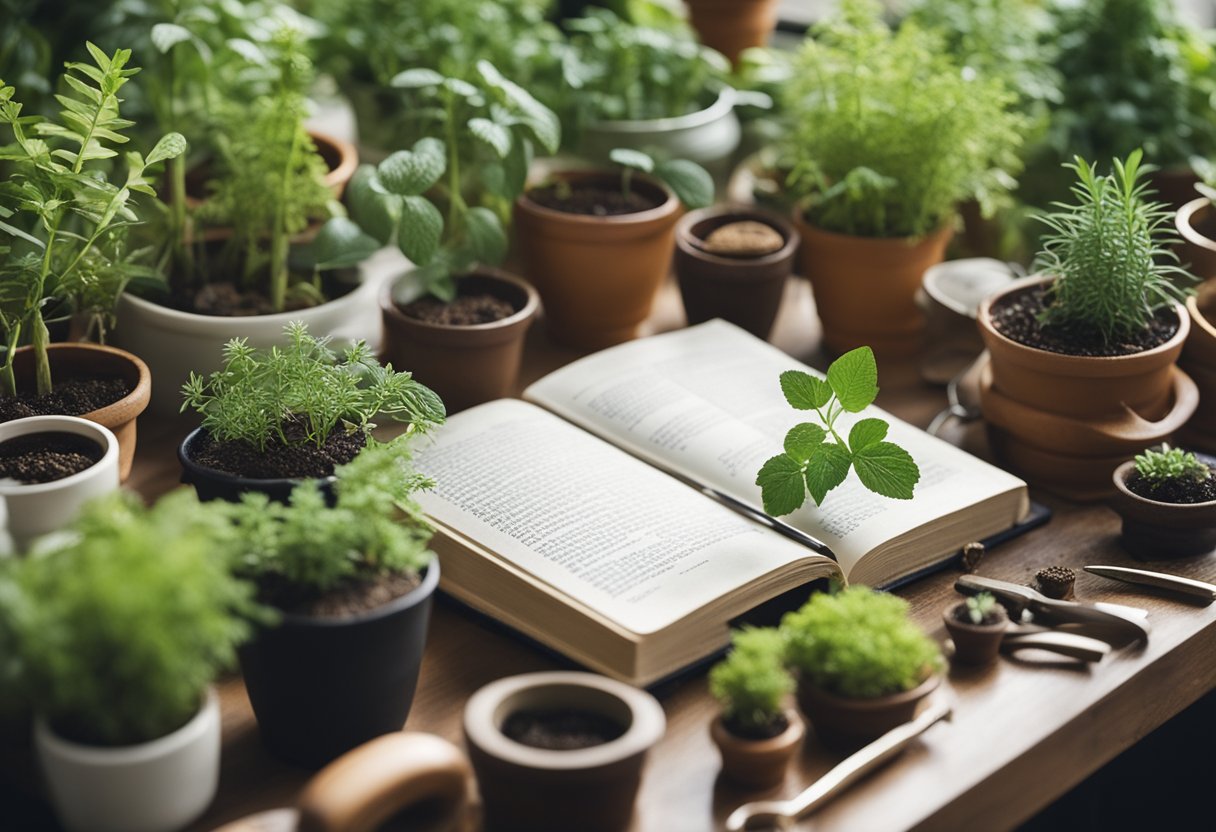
<point x="826" y="470"/>
<point x="691" y="183"/>
<point x="412" y="79"/>
<point x="804" y="391"/>
<point x="413" y="172"/>
<point x="630" y="158"/>
<point x="419" y="229"/>
<point x="887" y="469"/>
<point x="494" y="136"/>
<point x="341" y="243"/>
<point x="867" y="432"/>
<point x="803" y="439"/>
<point x="781" y="487"/>
<point x="486" y="236"/>
<point x="854" y="379"/>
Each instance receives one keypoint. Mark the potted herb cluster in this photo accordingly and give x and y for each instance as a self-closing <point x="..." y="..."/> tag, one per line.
<point x="1198" y="360"/>
<point x="1082" y="359"/>
<point x="976" y="626"/>
<point x="1167" y="499"/>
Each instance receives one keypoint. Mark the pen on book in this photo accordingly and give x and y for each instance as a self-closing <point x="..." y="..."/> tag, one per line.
<point x="740" y="507"/>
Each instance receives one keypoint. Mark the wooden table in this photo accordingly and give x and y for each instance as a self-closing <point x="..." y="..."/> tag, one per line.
<point x="1023" y="734"/>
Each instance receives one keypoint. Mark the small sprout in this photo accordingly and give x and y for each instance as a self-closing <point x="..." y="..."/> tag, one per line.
<point x="1156" y="468"/>
<point x="981" y="607"/>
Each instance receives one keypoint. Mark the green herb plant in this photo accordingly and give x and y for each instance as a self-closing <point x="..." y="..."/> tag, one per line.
<point x="859" y="644"/>
<point x="981" y="607"/>
<point x="751" y="684"/>
<point x="64" y="209"/>
<point x="1156" y="468"/>
<point x="300" y="393"/>
<point x="817" y="458"/>
<point x="1109" y="253"/>
<point x="690" y="182"/>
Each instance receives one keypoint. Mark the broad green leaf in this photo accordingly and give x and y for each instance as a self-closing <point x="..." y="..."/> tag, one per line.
<point x="419" y="229"/>
<point x="495" y="136"/>
<point x="781" y="485"/>
<point x="486" y="236"/>
<point x="413" y="172"/>
<point x="827" y="469"/>
<point x="516" y="166"/>
<point x="854" y="379"/>
<point x="804" y="391"/>
<point x="170" y="146"/>
<point x="887" y="469"/>
<point x="342" y="243"/>
<point x="248" y="50"/>
<point x="867" y="432"/>
<point x="165" y="36"/>
<point x="371" y="206"/>
<point x="802" y="440"/>
<point x="692" y="183"/>
<point x="542" y="122"/>
<point x="417" y="78"/>
<point x="630" y="158"/>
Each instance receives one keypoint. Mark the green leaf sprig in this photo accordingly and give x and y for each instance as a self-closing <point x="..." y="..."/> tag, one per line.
<point x="817" y="458"/>
<point x="980" y="607"/>
<point x="1170" y="465"/>
<point x="690" y="182"/>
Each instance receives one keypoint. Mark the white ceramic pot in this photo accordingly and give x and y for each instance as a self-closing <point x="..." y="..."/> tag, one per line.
<point x="34" y="509"/>
<point x="158" y="786"/>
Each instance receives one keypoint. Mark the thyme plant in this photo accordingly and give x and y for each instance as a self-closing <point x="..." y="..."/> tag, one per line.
<point x="751" y="684"/>
<point x="1170" y="465"/>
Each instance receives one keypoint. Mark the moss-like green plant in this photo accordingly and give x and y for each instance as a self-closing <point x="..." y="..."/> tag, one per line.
<point x="751" y="684"/>
<point x="1170" y="465"/>
<point x="858" y="643"/>
<point x="1110" y="253"/>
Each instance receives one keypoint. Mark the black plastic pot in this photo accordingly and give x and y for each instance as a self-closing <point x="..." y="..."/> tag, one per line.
<point x="322" y="686"/>
<point x="210" y="484"/>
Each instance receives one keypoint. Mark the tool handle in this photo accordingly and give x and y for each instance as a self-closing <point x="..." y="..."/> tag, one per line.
<point x="1065" y="644"/>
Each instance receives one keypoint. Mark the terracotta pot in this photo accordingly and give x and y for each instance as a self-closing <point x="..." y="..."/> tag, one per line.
<point x="757" y="764"/>
<point x="597" y="276"/>
<point x="1175" y="186"/>
<point x="846" y="724"/>
<point x="74" y="360"/>
<point x="465" y="365"/>
<point x="211" y="484"/>
<point x="975" y="644"/>
<point x="730" y="26"/>
<point x="865" y="287"/>
<point x="589" y="789"/>
<point x="1198" y="250"/>
<point x="746" y="291"/>
<point x="1155" y="530"/>
<point x="1199" y="361"/>
<point x="340" y="157"/>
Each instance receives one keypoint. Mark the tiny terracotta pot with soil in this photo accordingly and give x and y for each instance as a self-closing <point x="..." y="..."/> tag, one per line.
<point x="732" y="263"/>
<point x="730" y="26"/>
<point x="1199" y="362"/>
<point x="1162" y="524"/>
<point x="468" y="351"/>
<point x="975" y="644"/>
<point x="560" y="751"/>
<point x="322" y="685"/>
<point x="596" y="257"/>
<point x="844" y="724"/>
<point x="757" y="762"/>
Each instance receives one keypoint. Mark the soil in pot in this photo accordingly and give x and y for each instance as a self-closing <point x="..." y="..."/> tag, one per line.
<point x="466" y="310"/>
<point x="1170" y="491"/>
<point x="351" y="598"/>
<point x="70" y="397"/>
<point x="593" y="201"/>
<point x="778" y="726"/>
<point x="224" y="299"/>
<point x="46" y="457"/>
<point x="561" y="729"/>
<point x="744" y="240"/>
<point x="279" y="461"/>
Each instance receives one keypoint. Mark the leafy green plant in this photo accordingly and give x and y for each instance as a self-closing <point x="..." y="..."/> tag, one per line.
<point x="690" y="182"/>
<point x="300" y="393"/>
<point x="887" y="131"/>
<point x="751" y="684"/>
<point x="119" y="632"/>
<point x="813" y="463"/>
<point x="1170" y="465"/>
<point x="980" y="607"/>
<point x="859" y="644"/>
<point x="64" y="209"/>
<point x="1110" y="253"/>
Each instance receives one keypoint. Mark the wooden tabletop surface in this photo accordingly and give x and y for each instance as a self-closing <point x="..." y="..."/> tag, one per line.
<point x="1024" y="733"/>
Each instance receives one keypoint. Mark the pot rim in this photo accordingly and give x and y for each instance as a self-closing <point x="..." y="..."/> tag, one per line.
<point x="61" y="424"/>
<point x="348" y="157"/>
<point x="793" y="732"/>
<point x="722" y="107"/>
<point x="877" y="702"/>
<point x="1198" y="318"/>
<point x="1124" y="471"/>
<point x="531" y="303"/>
<point x="429" y="580"/>
<point x="143" y="384"/>
<point x="225" y="478"/>
<point x="482" y="729"/>
<point x="737" y="213"/>
<point x="951" y="622"/>
<point x="659" y="212"/>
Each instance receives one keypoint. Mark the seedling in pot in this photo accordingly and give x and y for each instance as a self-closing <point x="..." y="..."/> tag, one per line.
<point x="1172" y="475"/>
<point x="690" y="182"/>
<point x="751" y="684"/>
<point x="981" y="609"/>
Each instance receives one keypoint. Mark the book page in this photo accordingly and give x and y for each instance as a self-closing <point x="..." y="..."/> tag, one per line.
<point x="706" y="404"/>
<point x="593" y="522"/>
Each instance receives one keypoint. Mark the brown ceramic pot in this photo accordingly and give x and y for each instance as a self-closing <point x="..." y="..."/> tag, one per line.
<point x="865" y="288"/>
<point x="757" y="764"/>
<point x="1199" y="361"/>
<point x="75" y="360"/>
<point x="1196" y="222"/>
<point x="597" y="276"/>
<point x="975" y="644"/>
<point x="1154" y="530"/>
<point x="540" y="790"/>
<point x="465" y="365"/>
<point x="730" y="26"/>
<point x="845" y="724"/>
<point x="746" y="291"/>
<point x="1175" y="186"/>
<point x="340" y="157"/>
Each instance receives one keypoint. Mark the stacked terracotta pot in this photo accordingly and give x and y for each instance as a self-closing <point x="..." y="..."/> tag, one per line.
<point x="1199" y="362"/>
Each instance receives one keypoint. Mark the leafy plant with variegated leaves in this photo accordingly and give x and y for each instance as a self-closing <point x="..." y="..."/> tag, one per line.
<point x="690" y="182"/>
<point x="817" y="458"/>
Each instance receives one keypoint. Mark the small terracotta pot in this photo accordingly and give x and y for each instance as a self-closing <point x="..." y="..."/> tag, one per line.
<point x="975" y="644"/>
<point x="1199" y="361"/>
<point x="746" y="291"/>
<point x="1198" y="250"/>
<point x="465" y="365"/>
<point x="597" y="276"/>
<point x="589" y="789"/>
<point x="74" y="360"/>
<point x="341" y="158"/>
<point x="846" y="724"/>
<point x="730" y="26"/>
<point x="757" y="764"/>
<point x="865" y="287"/>
<point x="1154" y="530"/>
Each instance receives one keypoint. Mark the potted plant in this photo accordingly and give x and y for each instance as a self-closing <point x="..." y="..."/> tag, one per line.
<point x="1198" y="360"/>
<point x="976" y="626"/>
<point x="880" y="161"/>
<point x="1082" y="359"/>
<point x="1167" y="499"/>
<point x="730" y="26"/>
<point x="597" y="244"/>
<point x="862" y="666"/>
<point x="352" y="586"/>
<point x="756" y="734"/>
<point x="274" y="417"/>
<point x="64" y="215"/>
<point x="732" y="263"/>
<point x="127" y="729"/>
<point x="560" y="750"/>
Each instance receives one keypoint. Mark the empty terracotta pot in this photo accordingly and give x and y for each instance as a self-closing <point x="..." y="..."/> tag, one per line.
<point x="470" y="364"/>
<point x="1156" y="530"/>
<point x="975" y="644"/>
<point x="847" y="724"/>
<point x="1196" y="224"/>
<point x="730" y="26"/>
<point x="597" y="276"/>
<point x="1199" y="361"/>
<point x="865" y="287"/>
<point x="757" y="764"/>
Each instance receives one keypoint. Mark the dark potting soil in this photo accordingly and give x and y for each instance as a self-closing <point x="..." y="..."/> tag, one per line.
<point x="463" y="311"/>
<point x="225" y="299"/>
<point x="1016" y="316"/>
<point x="46" y="457"/>
<point x="278" y="461"/>
<point x="561" y="729"/>
<point x="591" y="201"/>
<point x="761" y="732"/>
<point x="963" y="616"/>
<point x="350" y="598"/>
<point x="70" y="397"/>
<point x="1175" y="491"/>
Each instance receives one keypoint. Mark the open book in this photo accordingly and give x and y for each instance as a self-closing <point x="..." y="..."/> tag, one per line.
<point x="576" y="517"/>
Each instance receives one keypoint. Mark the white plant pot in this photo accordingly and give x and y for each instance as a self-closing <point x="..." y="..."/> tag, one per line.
<point x="33" y="509"/>
<point x="158" y="786"/>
